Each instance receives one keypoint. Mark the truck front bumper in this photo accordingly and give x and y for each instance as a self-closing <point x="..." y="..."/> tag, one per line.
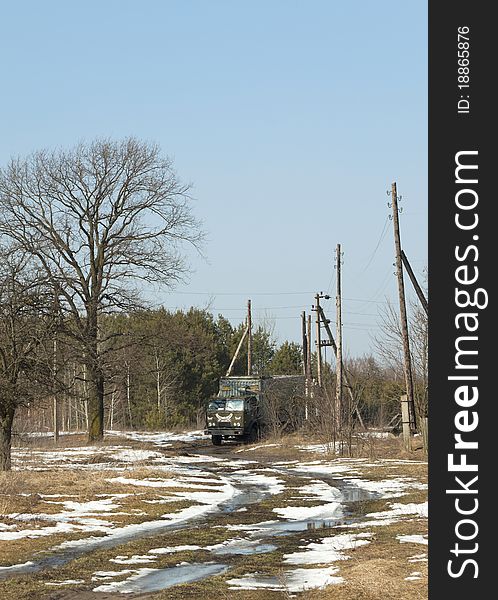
<point x="224" y="432"/>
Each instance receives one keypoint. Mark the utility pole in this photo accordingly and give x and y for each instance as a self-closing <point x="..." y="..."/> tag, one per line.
<point x="345" y="377"/>
<point x="305" y="342"/>
<point x="249" y="338"/>
<point x="338" y="303"/>
<point x="418" y="289"/>
<point x="318" y="342"/>
<point x="309" y="374"/>
<point x="305" y="363"/>
<point x="234" y="358"/>
<point x="402" y="309"/>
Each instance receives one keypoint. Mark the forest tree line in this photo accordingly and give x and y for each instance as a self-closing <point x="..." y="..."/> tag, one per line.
<point x="83" y="232"/>
<point x="162" y="366"/>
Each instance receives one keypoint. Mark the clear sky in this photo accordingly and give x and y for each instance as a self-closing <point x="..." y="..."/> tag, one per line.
<point x="290" y="118"/>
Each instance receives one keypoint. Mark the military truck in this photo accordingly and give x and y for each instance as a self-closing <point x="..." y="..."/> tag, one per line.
<point x="247" y="406"/>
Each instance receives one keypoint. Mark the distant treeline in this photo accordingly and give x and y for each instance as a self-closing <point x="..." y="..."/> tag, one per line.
<point x="162" y="367"/>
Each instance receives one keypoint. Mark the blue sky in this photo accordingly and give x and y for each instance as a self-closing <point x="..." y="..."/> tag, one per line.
<point x="290" y="118"/>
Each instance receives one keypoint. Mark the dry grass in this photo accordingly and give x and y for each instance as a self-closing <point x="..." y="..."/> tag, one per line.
<point x="378" y="571"/>
<point x="286" y="448"/>
<point x="374" y="572"/>
<point x="21" y="492"/>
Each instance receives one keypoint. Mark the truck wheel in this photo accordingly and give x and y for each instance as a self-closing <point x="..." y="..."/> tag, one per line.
<point x="216" y="439"/>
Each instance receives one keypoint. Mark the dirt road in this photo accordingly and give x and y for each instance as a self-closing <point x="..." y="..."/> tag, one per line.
<point x="201" y="521"/>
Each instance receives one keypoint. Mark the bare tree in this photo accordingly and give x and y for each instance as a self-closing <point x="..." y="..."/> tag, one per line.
<point x="98" y="219"/>
<point x="27" y="324"/>
<point x="389" y="346"/>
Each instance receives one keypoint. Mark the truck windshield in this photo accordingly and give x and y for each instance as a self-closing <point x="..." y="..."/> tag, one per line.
<point x="235" y="405"/>
<point x="215" y="405"/>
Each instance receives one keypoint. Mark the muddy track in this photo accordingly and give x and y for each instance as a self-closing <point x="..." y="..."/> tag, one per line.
<point x="248" y="490"/>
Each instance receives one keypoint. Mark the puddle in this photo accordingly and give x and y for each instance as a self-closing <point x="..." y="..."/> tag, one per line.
<point x="353" y="493"/>
<point x="242" y="546"/>
<point x="154" y="580"/>
<point x="250" y="495"/>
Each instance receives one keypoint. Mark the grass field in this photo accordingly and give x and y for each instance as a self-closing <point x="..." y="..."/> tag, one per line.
<point x="280" y="519"/>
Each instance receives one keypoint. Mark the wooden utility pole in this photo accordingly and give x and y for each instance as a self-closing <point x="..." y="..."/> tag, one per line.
<point x="413" y="279"/>
<point x="305" y="364"/>
<point x="234" y="358"/>
<point x="349" y="387"/>
<point x="318" y="342"/>
<point x="305" y="342"/>
<point x="338" y="303"/>
<point x="309" y="374"/>
<point x="402" y="309"/>
<point x="249" y="339"/>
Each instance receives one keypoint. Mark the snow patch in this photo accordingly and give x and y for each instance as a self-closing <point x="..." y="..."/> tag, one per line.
<point x="398" y="510"/>
<point x="418" y="558"/>
<point x="296" y="580"/>
<point x="387" y="488"/>
<point x="66" y="582"/>
<point x="413" y="539"/>
<point x="414" y="576"/>
<point x="173" y="549"/>
<point x="136" y="559"/>
<point x="131" y="455"/>
<point x="16" y="567"/>
<point x="329" y="549"/>
<point x="331" y="510"/>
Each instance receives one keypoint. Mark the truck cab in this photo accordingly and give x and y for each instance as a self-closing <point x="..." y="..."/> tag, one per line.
<point x="234" y="417"/>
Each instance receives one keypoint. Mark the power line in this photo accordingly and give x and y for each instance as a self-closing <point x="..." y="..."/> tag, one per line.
<point x="381" y="239"/>
<point x="242" y="293"/>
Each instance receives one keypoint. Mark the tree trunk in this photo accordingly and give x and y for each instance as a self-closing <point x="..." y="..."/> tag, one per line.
<point x="95" y="379"/>
<point x="95" y="404"/>
<point x="6" y="420"/>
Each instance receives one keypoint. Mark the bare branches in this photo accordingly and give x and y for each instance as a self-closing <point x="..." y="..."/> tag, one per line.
<point x="27" y="320"/>
<point x="98" y="220"/>
<point x="98" y="217"/>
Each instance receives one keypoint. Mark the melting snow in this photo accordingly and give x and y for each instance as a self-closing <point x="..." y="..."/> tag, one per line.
<point x="417" y="558"/>
<point x="320" y="489"/>
<point x="152" y="580"/>
<point x="402" y="509"/>
<point x="331" y="510"/>
<point x="319" y="448"/>
<point x="296" y="580"/>
<point x="252" y="448"/>
<point x="319" y="468"/>
<point x="15" y="567"/>
<point x="165" y="438"/>
<point x="66" y="582"/>
<point x="271" y="484"/>
<point x="241" y="546"/>
<point x="414" y="576"/>
<point x="413" y="539"/>
<point x="328" y="550"/>
<point x="172" y="549"/>
<point x="159" y="483"/>
<point x="132" y="455"/>
<point x="98" y="575"/>
<point x="42" y="531"/>
<point x="133" y="560"/>
<point x="387" y="488"/>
